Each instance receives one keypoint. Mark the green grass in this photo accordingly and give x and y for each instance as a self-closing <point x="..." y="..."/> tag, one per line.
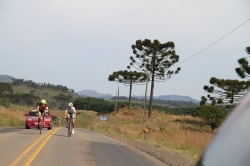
<point x="10" y="121"/>
<point x="12" y="116"/>
<point x="19" y="108"/>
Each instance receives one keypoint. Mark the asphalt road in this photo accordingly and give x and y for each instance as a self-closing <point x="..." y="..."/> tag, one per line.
<point x="54" y="148"/>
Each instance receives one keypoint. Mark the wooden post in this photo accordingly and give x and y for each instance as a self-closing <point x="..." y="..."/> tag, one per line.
<point x="143" y="110"/>
<point x="115" y="108"/>
<point x="117" y="100"/>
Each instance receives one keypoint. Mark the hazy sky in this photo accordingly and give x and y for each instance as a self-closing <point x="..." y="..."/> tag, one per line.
<point x="78" y="43"/>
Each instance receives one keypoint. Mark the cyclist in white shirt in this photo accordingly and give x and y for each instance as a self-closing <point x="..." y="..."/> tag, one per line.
<point x="70" y="112"/>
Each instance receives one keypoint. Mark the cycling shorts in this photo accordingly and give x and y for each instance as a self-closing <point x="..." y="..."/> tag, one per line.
<point x="72" y="116"/>
<point x="41" y="111"/>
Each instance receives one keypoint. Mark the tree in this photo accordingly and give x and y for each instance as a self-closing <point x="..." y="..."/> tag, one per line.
<point x="28" y="99"/>
<point x="228" y="93"/>
<point x="244" y="70"/>
<point x="5" y="89"/>
<point x="94" y="104"/>
<point x="211" y="115"/>
<point x="63" y="99"/>
<point x="5" y="93"/>
<point x="128" y="78"/>
<point x="155" y="59"/>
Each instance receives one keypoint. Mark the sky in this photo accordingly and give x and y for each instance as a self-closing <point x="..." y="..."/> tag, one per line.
<point x="79" y="43"/>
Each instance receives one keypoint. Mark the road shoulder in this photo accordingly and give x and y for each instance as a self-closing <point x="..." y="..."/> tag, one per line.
<point x="165" y="156"/>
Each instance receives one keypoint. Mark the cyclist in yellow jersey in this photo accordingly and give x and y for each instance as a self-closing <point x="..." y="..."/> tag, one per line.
<point x="42" y="107"/>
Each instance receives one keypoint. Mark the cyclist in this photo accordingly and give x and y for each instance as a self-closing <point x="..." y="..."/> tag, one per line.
<point x="70" y="112"/>
<point x="42" y="108"/>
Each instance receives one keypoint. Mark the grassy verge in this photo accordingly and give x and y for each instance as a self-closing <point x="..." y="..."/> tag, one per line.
<point x="13" y="116"/>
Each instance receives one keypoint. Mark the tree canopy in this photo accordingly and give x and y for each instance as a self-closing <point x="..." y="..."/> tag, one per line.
<point x="154" y="58"/>
<point x="128" y="78"/>
<point x="244" y="70"/>
<point x="94" y="104"/>
<point x="5" y="89"/>
<point x="211" y="115"/>
<point x="5" y="92"/>
<point x="64" y="99"/>
<point x="228" y="91"/>
<point x="30" y="83"/>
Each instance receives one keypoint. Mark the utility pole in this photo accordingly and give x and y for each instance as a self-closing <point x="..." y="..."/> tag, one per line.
<point x="115" y="108"/>
<point x="145" y="100"/>
<point x="117" y="101"/>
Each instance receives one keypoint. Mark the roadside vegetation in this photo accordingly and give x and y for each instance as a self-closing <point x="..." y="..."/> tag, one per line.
<point x="12" y="116"/>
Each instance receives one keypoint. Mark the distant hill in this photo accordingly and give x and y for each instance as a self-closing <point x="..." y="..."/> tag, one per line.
<point x="177" y="98"/>
<point x="92" y="93"/>
<point x="6" y="78"/>
<point x="171" y="97"/>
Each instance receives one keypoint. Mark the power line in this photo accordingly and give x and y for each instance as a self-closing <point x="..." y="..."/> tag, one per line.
<point x="213" y="42"/>
<point x="207" y="46"/>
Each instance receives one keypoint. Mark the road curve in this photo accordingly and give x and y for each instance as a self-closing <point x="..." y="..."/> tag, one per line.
<point x="53" y="147"/>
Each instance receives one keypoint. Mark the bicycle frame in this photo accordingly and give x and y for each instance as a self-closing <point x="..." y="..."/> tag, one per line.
<point x="69" y="127"/>
<point x="41" y="122"/>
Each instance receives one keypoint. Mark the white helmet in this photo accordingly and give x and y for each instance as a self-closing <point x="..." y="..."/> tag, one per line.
<point x="70" y="104"/>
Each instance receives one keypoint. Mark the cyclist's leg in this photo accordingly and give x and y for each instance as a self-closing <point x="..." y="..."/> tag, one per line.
<point x="73" y="122"/>
<point x="67" y="119"/>
<point x="43" y="119"/>
<point x="73" y="125"/>
<point x="38" y="118"/>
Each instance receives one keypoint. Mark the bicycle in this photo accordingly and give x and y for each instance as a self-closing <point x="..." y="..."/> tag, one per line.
<point x="41" y="122"/>
<point x="69" y="126"/>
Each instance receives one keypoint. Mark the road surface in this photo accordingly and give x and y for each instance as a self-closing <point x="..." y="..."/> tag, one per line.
<point x="53" y="147"/>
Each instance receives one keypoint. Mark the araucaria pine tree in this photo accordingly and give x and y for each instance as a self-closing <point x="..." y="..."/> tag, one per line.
<point x="155" y="59"/>
<point x="128" y="78"/>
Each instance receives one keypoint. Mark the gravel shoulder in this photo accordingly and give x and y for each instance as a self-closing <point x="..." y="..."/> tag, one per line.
<point x="170" y="158"/>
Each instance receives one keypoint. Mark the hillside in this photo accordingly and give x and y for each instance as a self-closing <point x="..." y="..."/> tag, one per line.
<point x="46" y="93"/>
<point x="92" y="93"/>
<point x="176" y="98"/>
<point x="6" y="78"/>
<point x="28" y="93"/>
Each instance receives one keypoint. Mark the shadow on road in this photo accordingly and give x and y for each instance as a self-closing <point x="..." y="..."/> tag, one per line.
<point x="7" y="130"/>
<point x="87" y="131"/>
<point x="60" y="135"/>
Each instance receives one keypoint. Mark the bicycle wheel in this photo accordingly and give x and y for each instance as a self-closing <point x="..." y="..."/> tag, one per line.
<point x="69" y="129"/>
<point x="40" y="125"/>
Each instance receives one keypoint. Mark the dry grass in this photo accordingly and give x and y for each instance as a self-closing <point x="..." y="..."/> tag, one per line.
<point x="11" y="117"/>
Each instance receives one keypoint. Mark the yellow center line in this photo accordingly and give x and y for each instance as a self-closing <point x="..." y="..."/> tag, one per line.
<point x="13" y="163"/>
<point x="35" y="153"/>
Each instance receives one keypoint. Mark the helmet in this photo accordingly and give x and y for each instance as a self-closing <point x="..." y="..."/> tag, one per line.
<point x="43" y="101"/>
<point x="70" y="104"/>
